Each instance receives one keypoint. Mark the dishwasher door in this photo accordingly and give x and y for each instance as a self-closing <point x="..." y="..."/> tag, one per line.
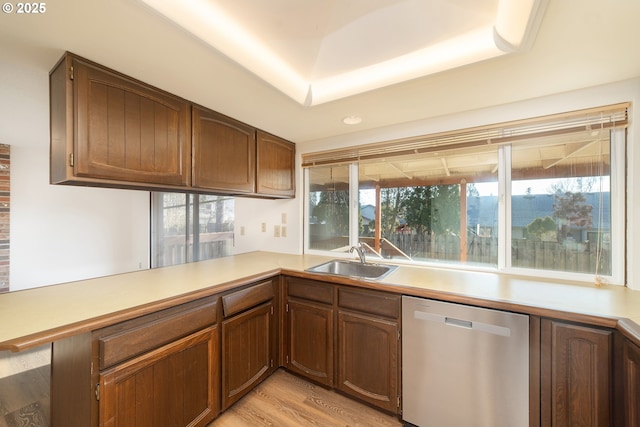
<point x="464" y="366"/>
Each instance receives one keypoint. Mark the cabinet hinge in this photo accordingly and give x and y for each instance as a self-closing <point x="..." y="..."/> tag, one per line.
<point x="271" y="310"/>
<point x="71" y="159"/>
<point x="97" y="391"/>
<point x="398" y="402"/>
<point x="287" y="359"/>
<point x="271" y="363"/>
<point x="71" y="73"/>
<point x="287" y="307"/>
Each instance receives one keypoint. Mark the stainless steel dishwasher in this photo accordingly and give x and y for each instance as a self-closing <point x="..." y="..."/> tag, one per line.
<point x="464" y="366"/>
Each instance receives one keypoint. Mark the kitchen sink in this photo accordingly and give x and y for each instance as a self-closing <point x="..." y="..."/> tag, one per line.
<point x="360" y="270"/>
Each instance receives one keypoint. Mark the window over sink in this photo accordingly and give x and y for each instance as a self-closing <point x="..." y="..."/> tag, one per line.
<point x="539" y="195"/>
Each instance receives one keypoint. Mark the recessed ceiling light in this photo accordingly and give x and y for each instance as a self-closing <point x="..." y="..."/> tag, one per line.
<point x="352" y="120"/>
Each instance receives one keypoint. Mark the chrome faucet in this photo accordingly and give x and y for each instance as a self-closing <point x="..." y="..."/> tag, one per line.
<point x="361" y="252"/>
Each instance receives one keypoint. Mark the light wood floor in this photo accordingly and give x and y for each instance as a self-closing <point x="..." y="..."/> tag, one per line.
<point x="285" y="400"/>
<point x="24" y="399"/>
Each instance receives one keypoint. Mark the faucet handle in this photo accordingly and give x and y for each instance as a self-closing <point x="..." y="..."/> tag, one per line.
<point x="360" y="250"/>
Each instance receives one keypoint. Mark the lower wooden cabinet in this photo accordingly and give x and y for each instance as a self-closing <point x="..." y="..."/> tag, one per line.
<point x="368" y="359"/>
<point x="310" y="344"/>
<point x="175" y="385"/>
<point x="246" y="355"/>
<point x="631" y="387"/>
<point x="248" y="340"/>
<point x="159" y="369"/>
<point x="360" y="355"/>
<point x="577" y="372"/>
<point x="183" y="365"/>
<point x="309" y="326"/>
<point x="369" y="347"/>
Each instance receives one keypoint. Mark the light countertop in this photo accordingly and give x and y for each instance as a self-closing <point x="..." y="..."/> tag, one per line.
<point x="36" y="316"/>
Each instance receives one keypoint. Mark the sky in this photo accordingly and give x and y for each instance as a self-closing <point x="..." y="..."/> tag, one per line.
<point x="538" y="186"/>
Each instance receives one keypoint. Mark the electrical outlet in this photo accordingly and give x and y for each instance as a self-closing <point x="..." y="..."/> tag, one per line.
<point x="242" y="230"/>
<point x="284" y="217"/>
<point x="283" y="231"/>
<point x="276" y="231"/>
<point x="264" y="227"/>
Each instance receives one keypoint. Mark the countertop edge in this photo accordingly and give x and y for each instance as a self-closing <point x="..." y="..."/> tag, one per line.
<point x="610" y="307"/>
<point x="50" y="335"/>
<point x="532" y="310"/>
<point x="630" y="330"/>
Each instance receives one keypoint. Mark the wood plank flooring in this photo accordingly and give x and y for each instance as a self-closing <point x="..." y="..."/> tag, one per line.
<point x="24" y="398"/>
<point x="285" y="400"/>
<point x="282" y="400"/>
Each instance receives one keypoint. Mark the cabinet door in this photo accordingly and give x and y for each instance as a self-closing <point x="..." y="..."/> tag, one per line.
<point x="247" y="358"/>
<point x="128" y="131"/>
<point x="224" y="153"/>
<point x="631" y="369"/>
<point x="368" y="366"/>
<point x="175" y="385"/>
<point x="310" y="341"/>
<point x="276" y="166"/>
<point x="576" y="372"/>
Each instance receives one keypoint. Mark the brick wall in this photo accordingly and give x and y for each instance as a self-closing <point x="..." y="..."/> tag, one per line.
<point x="5" y="191"/>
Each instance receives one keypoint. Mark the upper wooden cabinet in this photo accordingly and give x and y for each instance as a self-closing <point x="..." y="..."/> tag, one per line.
<point x="224" y="153"/>
<point x="276" y="166"/>
<point x="111" y="129"/>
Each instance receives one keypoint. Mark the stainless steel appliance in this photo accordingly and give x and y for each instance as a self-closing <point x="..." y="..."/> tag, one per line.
<point x="464" y="366"/>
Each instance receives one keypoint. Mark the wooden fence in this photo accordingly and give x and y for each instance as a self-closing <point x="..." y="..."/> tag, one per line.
<point x="211" y="245"/>
<point x="484" y="250"/>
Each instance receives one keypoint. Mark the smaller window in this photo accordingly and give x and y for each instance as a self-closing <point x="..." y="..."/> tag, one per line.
<point x="328" y="208"/>
<point x="561" y="205"/>
<point x="190" y="227"/>
<point x="440" y="206"/>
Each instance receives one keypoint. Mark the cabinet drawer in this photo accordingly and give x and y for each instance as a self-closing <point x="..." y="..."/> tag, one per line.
<point x="310" y="290"/>
<point x="134" y="337"/>
<point x="246" y="298"/>
<point x="382" y="304"/>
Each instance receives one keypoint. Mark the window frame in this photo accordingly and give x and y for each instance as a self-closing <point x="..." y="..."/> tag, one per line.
<point x="618" y="226"/>
<point x="192" y="232"/>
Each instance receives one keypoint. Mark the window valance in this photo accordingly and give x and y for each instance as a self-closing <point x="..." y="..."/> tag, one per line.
<point x="588" y="120"/>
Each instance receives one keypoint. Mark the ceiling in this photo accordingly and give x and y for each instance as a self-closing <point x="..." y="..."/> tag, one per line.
<point x="577" y="44"/>
<point x="319" y="51"/>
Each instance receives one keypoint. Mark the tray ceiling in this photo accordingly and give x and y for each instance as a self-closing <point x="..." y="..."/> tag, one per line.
<point x="317" y="51"/>
<point x="578" y="45"/>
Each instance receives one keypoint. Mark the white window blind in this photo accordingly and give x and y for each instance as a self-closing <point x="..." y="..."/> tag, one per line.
<point x="599" y="118"/>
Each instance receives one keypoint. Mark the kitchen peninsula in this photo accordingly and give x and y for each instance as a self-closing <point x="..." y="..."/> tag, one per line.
<point x="82" y="318"/>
